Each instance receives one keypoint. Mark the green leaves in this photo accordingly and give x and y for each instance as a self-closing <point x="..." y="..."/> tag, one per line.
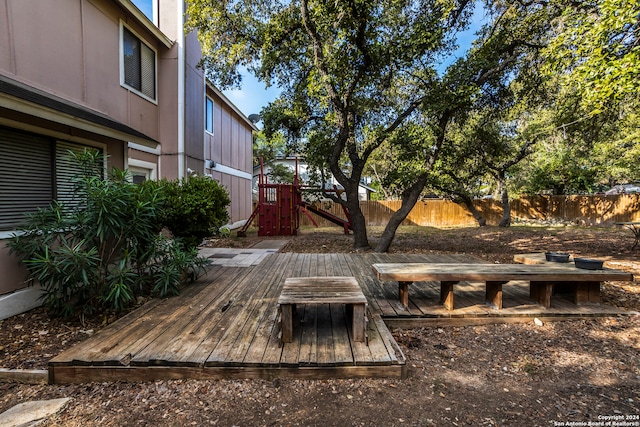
<point x="106" y="251"/>
<point x="596" y="50"/>
<point x="195" y="209"/>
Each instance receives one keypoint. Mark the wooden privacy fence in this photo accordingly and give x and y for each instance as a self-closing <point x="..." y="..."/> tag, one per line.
<point x="585" y="210"/>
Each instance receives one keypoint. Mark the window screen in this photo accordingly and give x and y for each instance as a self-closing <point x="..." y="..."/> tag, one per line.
<point x="139" y="64"/>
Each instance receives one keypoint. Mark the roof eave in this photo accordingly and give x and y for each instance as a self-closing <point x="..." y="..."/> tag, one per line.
<point x="24" y="99"/>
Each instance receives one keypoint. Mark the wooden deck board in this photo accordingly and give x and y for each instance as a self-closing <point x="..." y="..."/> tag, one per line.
<point x="342" y="335"/>
<point x="226" y="325"/>
<point x="117" y="348"/>
<point x="185" y="334"/>
<point x="242" y="312"/>
<point x="258" y="314"/>
<point x="308" y="354"/>
<point x="274" y="350"/>
<point x="217" y="336"/>
<point x="268" y="323"/>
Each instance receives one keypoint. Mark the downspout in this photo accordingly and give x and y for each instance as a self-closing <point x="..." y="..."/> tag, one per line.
<point x="181" y="73"/>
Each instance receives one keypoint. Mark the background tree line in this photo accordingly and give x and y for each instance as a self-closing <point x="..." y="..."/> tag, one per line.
<point x="545" y="98"/>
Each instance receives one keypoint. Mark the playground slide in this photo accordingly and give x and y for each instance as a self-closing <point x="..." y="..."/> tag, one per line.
<point x="327" y="215"/>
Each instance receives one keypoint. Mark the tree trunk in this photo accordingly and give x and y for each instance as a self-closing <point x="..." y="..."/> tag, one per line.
<point x="468" y="203"/>
<point x="505" y="221"/>
<point x="356" y="217"/>
<point x="359" y="224"/>
<point x="409" y="200"/>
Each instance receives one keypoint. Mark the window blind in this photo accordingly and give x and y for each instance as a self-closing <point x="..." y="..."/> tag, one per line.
<point x="139" y="63"/>
<point x="25" y="176"/>
<point x="131" y="51"/>
<point x="148" y="71"/>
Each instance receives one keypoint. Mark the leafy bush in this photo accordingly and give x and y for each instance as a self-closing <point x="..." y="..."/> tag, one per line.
<point x="105" y="251"/>
<point x="195" y="208"/>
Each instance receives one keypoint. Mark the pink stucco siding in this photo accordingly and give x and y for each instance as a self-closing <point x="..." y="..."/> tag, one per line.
<point x="71" y="50"/>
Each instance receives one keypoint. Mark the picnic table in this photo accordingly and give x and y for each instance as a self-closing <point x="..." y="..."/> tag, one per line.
<point x="634" y="226"/>
<point x="584" y="284"/>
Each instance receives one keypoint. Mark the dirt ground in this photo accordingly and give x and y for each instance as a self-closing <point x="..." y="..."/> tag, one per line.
<point x="584" y="372"/>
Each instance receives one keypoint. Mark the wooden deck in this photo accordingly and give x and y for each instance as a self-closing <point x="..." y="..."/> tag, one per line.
<point x="226" y="325"/>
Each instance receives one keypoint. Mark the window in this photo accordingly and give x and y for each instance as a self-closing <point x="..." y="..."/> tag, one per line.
<point x="26" y="176"/>
<point x="209" y="115"/>
<point x="67" y="173"/>
<point x="141" y="171"/>
<point x="138" y="65"/>
<point x="34" y="170"/>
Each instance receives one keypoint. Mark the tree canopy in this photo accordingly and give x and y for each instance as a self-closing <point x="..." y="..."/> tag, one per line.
<point x="351" y="71"/>
<point x="373" y="84"/>
<point x="596" y="48"/>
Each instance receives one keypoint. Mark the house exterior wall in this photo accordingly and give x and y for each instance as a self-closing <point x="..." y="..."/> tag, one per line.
<point x="194" y="105"/>
<point x="87" y="69"/>
<point x="11" y="269"/>
<point x="172" y="150"/>
<point x="230" y="147"/>
<point x="77" y="63"/>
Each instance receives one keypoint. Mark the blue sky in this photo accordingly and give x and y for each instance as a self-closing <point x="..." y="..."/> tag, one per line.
<point x="253" y="95"/>
<point x="145" y="6"/>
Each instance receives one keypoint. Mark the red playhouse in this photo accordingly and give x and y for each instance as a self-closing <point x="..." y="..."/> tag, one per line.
<point x="279" y="206"/>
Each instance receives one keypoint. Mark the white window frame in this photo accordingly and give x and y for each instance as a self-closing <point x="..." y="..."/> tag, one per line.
<point x="154" y="11"/>
<point x="142" y="166"/>
<point x="121" y="60"/>
<point x="206" y="115"/>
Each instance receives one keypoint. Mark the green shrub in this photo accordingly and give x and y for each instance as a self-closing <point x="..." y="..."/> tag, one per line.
<point x="196" y="209"/>
<point x="102" y="253"/>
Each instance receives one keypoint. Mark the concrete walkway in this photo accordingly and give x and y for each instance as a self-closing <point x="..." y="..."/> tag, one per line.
<point x="246" y="257"/>
<point x="270" y="244"/>
<point x="32" y="413"/>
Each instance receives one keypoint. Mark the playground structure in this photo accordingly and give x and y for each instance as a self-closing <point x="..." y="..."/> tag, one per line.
<point x="279" y="206"/>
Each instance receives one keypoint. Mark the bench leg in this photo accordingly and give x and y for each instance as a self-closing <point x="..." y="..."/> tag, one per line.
<point x="587" y="292"/>
<point x="446" y="294"/>
<point x="540" y="292"/>
<point x="493" y="296"/>
<point x="286" y="316"/>
<point x="359" y="322"/>
<point x="403" y="294"/>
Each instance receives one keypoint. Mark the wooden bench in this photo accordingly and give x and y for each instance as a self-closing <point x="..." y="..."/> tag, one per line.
<point x="541" y="278"/>
<point x="323" y="290"/>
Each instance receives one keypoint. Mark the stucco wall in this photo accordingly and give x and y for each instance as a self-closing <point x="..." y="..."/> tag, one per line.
<point x="70" y="48"/>
<point x="14" y="275"/>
